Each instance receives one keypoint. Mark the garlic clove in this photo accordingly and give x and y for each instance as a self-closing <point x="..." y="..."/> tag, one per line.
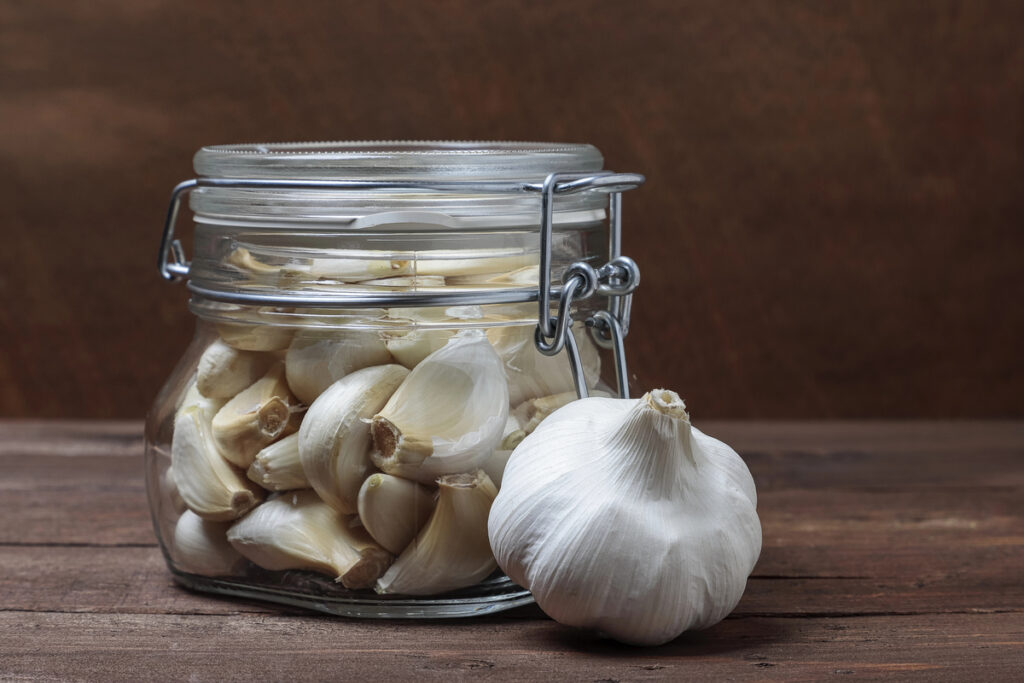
<point x="277" y="467"/>
<point x="201" y="547"/>
<point x="411" y="347"/>
<point x="513" y="434"/>
<point x="170" y="496"/>
<point x="223" y="370"/>
<point x="261" y="337"/>
<point x="207" y="483"/>
<point x="410" y="282"/>
<point x="641" y="528"/>
<point x="357" y="269"/>
<point x="393" y="509"/>
<point x="244" y="260"/>
<point x="531" y="374"/>
<point x="521" y="277"/>
<point x="448" y="415"/>
<point x="495" y="465"/>
<point x="254" y="418"/>
<point x="316" y="359"/>
<point x="532" y="412"/>
<point x="297" y="530"/>
<point x="451" y="551"/>
<point x="472" y="261"/>
<point x="334" y="439"/>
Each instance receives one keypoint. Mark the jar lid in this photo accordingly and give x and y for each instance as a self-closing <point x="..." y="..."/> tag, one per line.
<point x="397" y="159"/>
<point x="392" y="161"/>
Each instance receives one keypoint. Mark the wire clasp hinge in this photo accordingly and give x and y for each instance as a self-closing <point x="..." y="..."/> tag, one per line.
<point x="617" y="279"/>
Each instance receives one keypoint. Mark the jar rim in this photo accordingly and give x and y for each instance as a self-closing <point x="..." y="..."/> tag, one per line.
<point x="397" y="159"/>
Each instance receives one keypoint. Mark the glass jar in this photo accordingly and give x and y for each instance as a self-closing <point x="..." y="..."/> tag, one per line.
<point x="379" y="324"/>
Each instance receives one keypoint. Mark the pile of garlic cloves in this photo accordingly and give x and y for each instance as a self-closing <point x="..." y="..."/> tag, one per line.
<point x="371" y="456"/>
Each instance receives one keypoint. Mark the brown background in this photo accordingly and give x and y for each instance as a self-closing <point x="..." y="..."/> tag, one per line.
<point x="832" y="225"/>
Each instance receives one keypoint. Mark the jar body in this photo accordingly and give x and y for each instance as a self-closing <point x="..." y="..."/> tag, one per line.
<point x="363" y="366"/>
<point x="249" y="500"/>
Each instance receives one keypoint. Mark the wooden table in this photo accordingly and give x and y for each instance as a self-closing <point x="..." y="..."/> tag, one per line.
<point x="891" y="549"/>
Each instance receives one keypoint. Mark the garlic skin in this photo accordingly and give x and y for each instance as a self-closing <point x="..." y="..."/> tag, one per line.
<point x="619" y="516"/>
<point x="316" y="359"/>
<point x="334" y="438"/>
<point x="223" y="370"/>
<point x="393" y="509"/>
<point x="451" y="551"/>
<point x="530" y="373"/>
<point x="448" y="415"/>
<point x="278" y="467"/>
<point x="254" y="418"/>
<point x="297" y="530"/>
<point x="201" y="546"/>
<point x="208" y="484"/>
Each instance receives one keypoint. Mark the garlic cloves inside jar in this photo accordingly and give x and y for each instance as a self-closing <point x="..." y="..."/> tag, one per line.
<point x="531" y="374"/>
<point x="201" y="546"/>
<point x="393" y="509"/>
<point x="277" y="467"/>
<point x="297" y="530"/>
<point x="452" y="550"/>
<point x="255" y="417"/>
<point x="316" y="359"/>
<point x="207" y="483"/>
<point x="432" y="329"/>
<point x="223" y="370"/>
<point x="334" y="438"/>
<point x="448" y="415"/>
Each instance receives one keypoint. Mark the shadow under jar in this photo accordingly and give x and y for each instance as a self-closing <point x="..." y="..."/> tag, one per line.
<point x="369" y="350"/>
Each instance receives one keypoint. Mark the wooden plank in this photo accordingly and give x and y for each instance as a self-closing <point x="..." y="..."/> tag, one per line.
<point x="246" y="647"/>
<point x="135" y="580"/>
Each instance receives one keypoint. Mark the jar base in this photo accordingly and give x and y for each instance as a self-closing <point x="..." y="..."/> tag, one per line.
<point x="493" y="595"/>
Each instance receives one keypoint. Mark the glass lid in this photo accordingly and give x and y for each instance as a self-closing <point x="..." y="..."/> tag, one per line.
<point x="397" y="159"/>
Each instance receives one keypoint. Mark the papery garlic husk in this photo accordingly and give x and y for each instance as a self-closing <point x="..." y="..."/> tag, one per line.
<point x="530" y="373"/>
<point x="255" y="417"/>
<point x="334" y="439"/>
<point x="451" y="551"/>
<point x="316" y="359"/>
<point x="278" y="467"/>
<point x="208" y="484"/>
<point x="223" y="370"/>
<point x="532" y="412"/>
<point x="297" y="530"/>
<point x="448" y="415"/>
<point x="393" y="509"/>
<point x="201" y="547"/>
<point x="619" y="516"/>
<point x="410" y="347"/>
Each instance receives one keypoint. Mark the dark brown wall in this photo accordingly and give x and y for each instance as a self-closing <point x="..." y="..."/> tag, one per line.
<point x="832" y="225"/>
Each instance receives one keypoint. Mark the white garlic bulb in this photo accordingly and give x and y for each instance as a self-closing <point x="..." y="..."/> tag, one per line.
<point x="619" y="516"/>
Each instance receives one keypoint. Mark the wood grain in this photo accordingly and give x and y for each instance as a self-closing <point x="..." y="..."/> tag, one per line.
<point x="891" y="550"/>
<point x="831" y="226"/>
